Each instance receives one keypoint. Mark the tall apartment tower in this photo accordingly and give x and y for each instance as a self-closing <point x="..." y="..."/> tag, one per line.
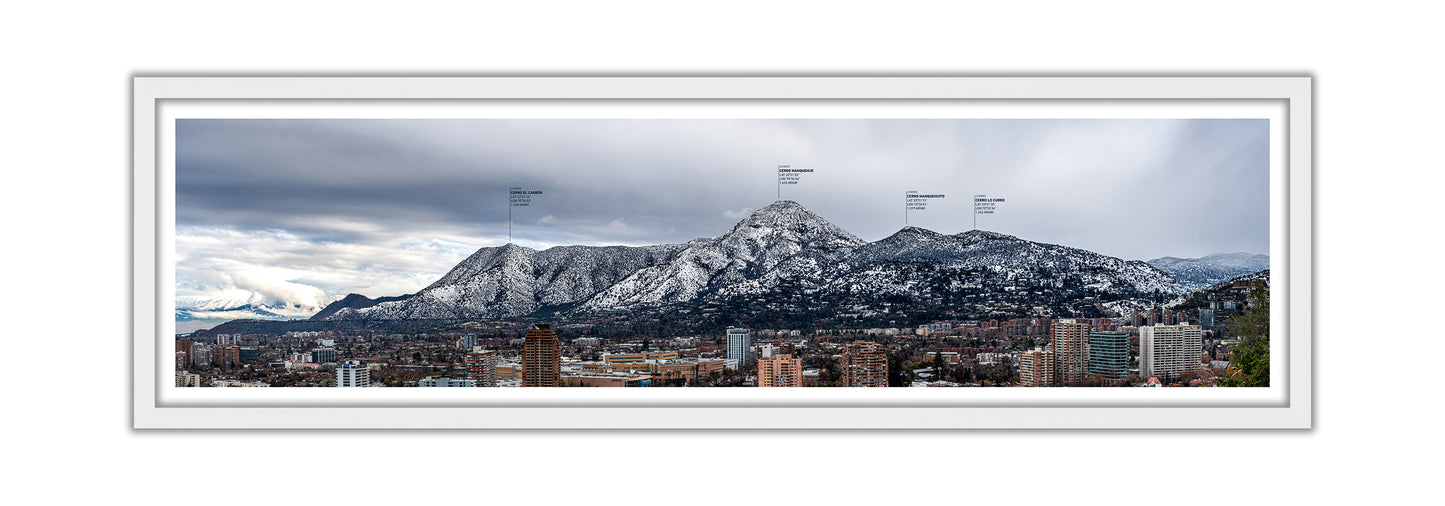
<point x="323" y="355"/>
<point x="1167" y="351"/>
<point x="189" y="359"/>
<point x="226" y="357"/>
<point x="467" y="342"/>
<point x="1036" y="367"/>
<point x="1071" y="352"/>
<point x="482" y="366"/>
<point x="200" y="355"/>
<point x="864" y="365"/>
<point x="541" y="358"/>
<point x="352" y="373"/>
<point x="1206" y="318"/>
<point x="740" y="344"/>
<point x="780" y="371"/>
<point x="1109" y="354"/>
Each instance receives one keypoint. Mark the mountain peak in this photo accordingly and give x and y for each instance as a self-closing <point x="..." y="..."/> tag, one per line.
<point x="913" y="233"/>
<point x="783" y="208"/>
<point x="795" y="221"/>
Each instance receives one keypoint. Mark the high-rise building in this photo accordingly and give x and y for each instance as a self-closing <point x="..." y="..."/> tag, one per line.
<point x="1206" y="318"/>
<point x="226" y="357"/>
<point x="1071" y="352"/>
<point x="323" y="355"/>
<point x="780" y="371"/>
<point x="482" y="366"/>
<point x="183" y="354"/>
<point x="249" y="354"/>
<point x="1167" y="351"/>
<point x="541" y="358"/>
<point x="740" y="344"/>
<point x="353" y="373"/>
<point x="467" y="342"/>
<point x="200" y="355"/>
<point x="1036" y="367"/>
<point x="1109" y="354"/>
<point x="864" y="364"/>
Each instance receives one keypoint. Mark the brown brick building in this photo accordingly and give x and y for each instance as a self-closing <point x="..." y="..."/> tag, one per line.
<point x="864" y="365"/>
<point x="482" y="366"/>
<point x="541" y="358"/>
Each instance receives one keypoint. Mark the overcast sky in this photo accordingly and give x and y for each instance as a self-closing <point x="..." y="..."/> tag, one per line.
<point x="306" y="211"/>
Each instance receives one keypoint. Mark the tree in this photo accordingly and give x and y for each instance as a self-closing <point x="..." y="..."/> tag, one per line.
<point x="1249" y="359"/>
<point x="896" y="376"/>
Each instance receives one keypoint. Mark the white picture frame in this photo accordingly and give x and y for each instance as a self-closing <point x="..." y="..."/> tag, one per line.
<point x="1288" y="404"/>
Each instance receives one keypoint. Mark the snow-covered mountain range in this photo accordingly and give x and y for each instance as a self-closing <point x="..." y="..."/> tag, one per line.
<point x="234" y="304"/>
<point x="783" y="243"/>
<point x="1200" y="273"/>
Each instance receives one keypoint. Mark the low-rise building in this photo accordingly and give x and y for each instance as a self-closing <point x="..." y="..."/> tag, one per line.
<point x="185" y="379"/>
<point x="430" y="382"/>
<point x="224" y="383"/>
<point x="585" y="379"/>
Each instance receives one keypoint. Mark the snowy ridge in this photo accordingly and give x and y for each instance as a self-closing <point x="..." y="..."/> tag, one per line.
<point x="1200" y="273"/>
<point x="512" y="280"/>
<point x="781" y="243"/>
<point x="755" y="246"/>
<point x="238" y="304"/>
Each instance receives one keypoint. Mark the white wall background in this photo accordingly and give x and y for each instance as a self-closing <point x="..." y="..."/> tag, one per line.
<point x="66" y="278"/>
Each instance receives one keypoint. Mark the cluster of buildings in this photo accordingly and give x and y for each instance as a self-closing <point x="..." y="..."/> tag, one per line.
<point x="221" y="356"/>
<point x="1040" y="351"/>
<point x="1076" y="352"/>
<point x="864" y="364"/>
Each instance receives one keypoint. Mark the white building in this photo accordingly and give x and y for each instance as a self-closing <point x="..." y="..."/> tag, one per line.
<point x="993" y="358"/>
<point x="230" y="383"/>
<point x="353" y="373"/>
<point x="185" y="379"/>
<point x="766" y="351"/>
<point x="685" y="342"/>
<point x="1166" y="351"/>
<point x="740" y="345"/>
<point x="586" y="341"/>
<point x="200" y="355"/>
<point x="445" y="383"/>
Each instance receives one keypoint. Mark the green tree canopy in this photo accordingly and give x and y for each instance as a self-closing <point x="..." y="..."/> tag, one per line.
<point x="1249" y="360"/>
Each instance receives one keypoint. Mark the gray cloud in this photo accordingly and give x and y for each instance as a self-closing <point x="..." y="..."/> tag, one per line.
<point x="385" y="206"/>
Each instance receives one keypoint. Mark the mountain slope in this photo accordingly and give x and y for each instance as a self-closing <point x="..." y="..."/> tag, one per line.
<point x="1199" y="273"/>
<point x="783" y="246"/>
<point x="512" y="280"/>
<point x="753" y="247"/>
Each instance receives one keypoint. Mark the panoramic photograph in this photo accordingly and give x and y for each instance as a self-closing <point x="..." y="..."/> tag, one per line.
<point x="756" y="253"/>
